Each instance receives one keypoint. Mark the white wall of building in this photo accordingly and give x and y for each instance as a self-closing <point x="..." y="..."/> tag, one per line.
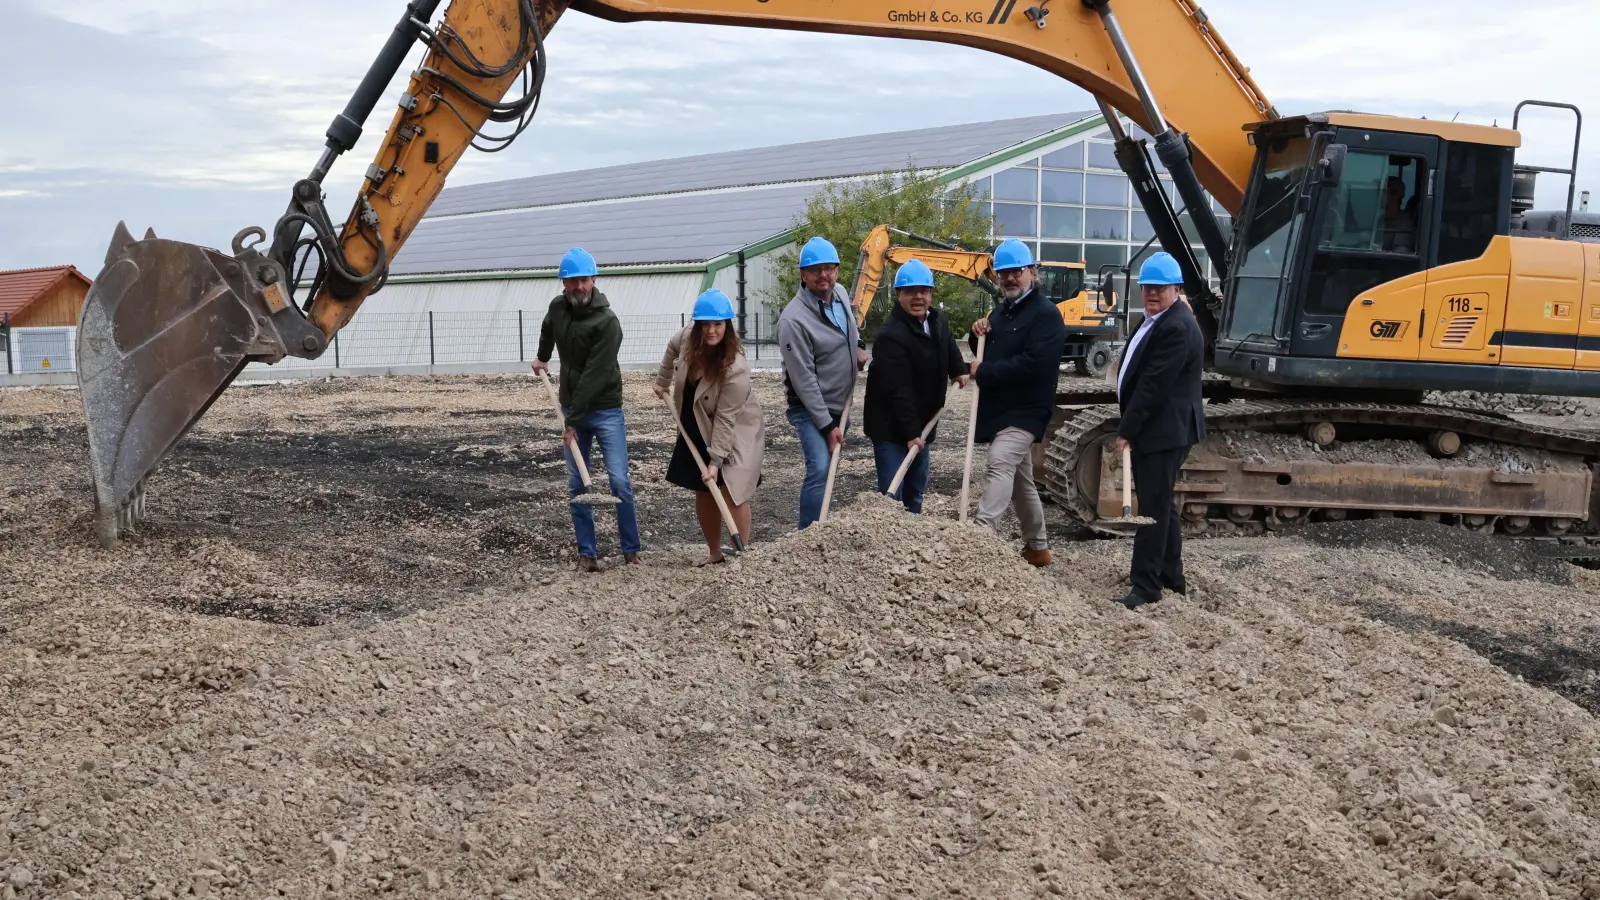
<point x="760" y="276"/>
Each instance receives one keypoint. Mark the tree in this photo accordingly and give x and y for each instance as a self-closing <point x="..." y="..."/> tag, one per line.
<point x="843" y="211"/>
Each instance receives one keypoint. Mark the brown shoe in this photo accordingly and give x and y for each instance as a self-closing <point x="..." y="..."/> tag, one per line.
<point x="1037" y="558"/>
<point x="588" y="564"/>
<point x="631" y="559"/>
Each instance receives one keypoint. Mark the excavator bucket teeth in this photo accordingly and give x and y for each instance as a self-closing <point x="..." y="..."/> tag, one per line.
<point x="165" y="328"/>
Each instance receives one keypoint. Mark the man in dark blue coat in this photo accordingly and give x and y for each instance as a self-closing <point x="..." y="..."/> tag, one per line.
<point x="1017" y="394"/>
<point x="1163" y="416"/>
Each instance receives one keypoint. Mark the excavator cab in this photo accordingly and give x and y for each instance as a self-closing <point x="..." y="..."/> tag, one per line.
<point x="1091" y="329"/>
<point x="1375" y="253"/>
<point x="1061" y="282"/>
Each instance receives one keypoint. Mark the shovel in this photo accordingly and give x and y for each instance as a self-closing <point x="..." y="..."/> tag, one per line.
<point x="833" y="468"/>
<point x="972" y="432"/>
<point x="716" y="490"/>
<point x="588" y="497"/>
<point x="1127" y="517"/>
<point x="900" y="474"/>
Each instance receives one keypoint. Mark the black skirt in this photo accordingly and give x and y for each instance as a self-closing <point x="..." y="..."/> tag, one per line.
<point x="681" y="470"/>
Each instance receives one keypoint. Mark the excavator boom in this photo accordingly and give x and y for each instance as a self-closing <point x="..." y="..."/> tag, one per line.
<point x="168" y="325"/>
<point x="968" y="265"/>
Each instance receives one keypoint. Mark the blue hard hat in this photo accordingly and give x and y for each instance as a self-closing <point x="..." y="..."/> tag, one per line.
<point x="915" y="273"/>
<point x="577" y="263"/>
<point x="1012" y="254"/>
<point x="1160" y="268"/>
<point x="818" y="251"/>
<point x="713" y="306"/>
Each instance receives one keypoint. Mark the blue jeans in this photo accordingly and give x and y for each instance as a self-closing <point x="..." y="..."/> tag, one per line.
<point x="607" y="425"/>
<point x="814" y="444"/>
<point x="888" y="455"/>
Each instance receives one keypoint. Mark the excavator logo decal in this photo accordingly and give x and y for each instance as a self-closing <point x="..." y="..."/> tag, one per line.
<point x="1387" y="331"/>
<point x="1002" y="16"/>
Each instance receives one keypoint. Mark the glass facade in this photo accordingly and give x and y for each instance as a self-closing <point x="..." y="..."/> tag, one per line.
<point x="1073" y="204"/>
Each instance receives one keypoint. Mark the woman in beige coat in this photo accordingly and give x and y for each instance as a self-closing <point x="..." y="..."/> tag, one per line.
<point x="708" y="378"/>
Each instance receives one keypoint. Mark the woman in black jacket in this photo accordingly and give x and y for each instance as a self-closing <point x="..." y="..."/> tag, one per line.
<point x="913" y="362"/>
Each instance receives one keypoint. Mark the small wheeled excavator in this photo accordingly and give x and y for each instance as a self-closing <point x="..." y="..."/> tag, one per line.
<point x="1373" y="259"/>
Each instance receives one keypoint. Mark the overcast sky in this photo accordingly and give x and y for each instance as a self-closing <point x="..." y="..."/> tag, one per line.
<point x="196" y="117"/>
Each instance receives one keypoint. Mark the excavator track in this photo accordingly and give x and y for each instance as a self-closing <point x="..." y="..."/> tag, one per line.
<point x="1554" y="504"/>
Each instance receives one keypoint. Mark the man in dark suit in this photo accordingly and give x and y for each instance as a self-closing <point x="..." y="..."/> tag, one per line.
<point x="1158" y="390"/>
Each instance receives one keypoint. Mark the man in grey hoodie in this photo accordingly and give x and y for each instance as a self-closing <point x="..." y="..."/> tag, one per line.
<point x="821" y="356"/>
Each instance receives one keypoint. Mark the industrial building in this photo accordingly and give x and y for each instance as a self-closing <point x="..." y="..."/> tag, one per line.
<point x="471" y="284"/>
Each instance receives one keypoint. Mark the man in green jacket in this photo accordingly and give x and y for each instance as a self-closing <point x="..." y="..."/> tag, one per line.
<point x="582" y="328"/>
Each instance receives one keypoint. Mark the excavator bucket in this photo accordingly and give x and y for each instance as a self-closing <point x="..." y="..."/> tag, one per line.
<point x="165" y="328"/>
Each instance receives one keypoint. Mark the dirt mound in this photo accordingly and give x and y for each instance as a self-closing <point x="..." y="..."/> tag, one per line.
<point x="883" y="705"/>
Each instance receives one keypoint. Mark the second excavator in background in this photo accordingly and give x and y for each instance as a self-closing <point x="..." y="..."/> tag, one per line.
<point x="1373" y="259"/>
<point x="1094" y="323"/>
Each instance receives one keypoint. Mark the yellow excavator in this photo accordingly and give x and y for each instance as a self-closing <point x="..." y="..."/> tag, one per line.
<point x="1372" y="258"/>
<point x="1092" y="329"/>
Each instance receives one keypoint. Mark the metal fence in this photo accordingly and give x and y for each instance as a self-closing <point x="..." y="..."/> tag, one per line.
<point x="385" y="339"/>
<point x="464" y="338"/>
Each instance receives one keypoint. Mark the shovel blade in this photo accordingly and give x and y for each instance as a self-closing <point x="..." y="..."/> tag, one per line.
<point x="593" y="499"/>
<point x="164" y="329"/>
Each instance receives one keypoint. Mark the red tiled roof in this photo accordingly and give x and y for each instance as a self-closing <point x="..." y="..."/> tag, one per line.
<point x="20" y="287"/>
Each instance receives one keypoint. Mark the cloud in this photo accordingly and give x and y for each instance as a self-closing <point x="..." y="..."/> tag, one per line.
<point x="197" y="118"/>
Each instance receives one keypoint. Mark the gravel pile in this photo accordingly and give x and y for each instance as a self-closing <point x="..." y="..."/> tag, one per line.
<point x="1258" y="446"/>
<point x="1509" y="404"/>
<point x="883" y="705"/>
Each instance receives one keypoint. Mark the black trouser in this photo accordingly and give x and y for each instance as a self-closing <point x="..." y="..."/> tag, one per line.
<point x="1158" y="548"/>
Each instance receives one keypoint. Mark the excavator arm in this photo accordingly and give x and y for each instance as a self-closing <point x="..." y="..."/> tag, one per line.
<point x="1203" y="88"/>
<point x="942" y="258"/>
<point x="964" y="264"/>
<point x="167" y="326"/>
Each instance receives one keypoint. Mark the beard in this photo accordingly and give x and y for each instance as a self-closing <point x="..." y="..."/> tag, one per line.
<point x="578" y="299"/>
<point x="1012" y="295"/>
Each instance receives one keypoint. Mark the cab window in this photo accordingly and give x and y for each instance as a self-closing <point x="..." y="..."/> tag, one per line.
<point x="1376" y="206"/>
<point x="1474" y="198"/>
<point x="1062" y="282"/>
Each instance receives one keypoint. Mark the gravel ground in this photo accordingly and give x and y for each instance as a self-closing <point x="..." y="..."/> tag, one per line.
<point x="1519" y="405"/>
<point x="1268" y="446"/>
<point x="348" y="656"/>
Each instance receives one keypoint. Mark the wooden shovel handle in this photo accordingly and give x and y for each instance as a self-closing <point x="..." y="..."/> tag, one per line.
<point x="905" y="465"/>
<point x="833" y="468"/>
<point x="716" y="490"/>
<point x="1127" y="478"/>
<point x="972" y="433"/>
<point x="561" y="422"/>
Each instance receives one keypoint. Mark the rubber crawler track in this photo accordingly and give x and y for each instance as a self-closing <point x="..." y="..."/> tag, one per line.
<point x="1084" y="432"/>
